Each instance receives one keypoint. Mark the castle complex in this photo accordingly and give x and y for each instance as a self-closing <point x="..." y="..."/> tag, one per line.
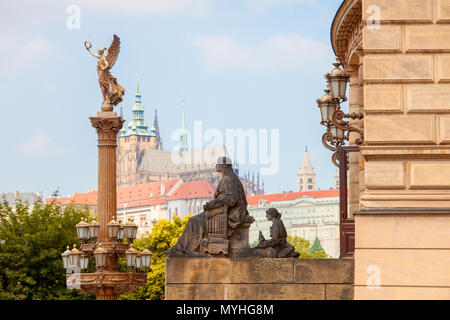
<point x="142" y="159"/>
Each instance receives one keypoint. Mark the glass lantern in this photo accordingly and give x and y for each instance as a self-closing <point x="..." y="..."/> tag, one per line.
<point x="327" y="107"/>
<point x="338" y="79"/>
<point x="338" y="133"/>
<point x="100" y="256"/>
<point x="138" y="261"/>
<point x="94" y="227"/>
<point x="130" y="230"/>
<point x="131" y="254"/>
<point x="74" y="258"/>
<point x="83" y="230"/>
<point x="113" y="229"/>
<point x="146" y="257"/>
<point x="84" y="261"/>
<point x="65" y="257"/>
<point x="120" y="234"/>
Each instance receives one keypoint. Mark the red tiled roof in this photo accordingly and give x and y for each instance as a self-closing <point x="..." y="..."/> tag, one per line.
<point x="194" y="190"/>
<point x="144" y="191"/>
<point x="254" y="200"/>
<point x="137" y="195"/>
<point x="61" y="200"/>
<point x="89" y="198"/>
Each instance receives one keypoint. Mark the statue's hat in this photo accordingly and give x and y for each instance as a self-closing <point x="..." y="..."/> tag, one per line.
<point x="224" y="160"/>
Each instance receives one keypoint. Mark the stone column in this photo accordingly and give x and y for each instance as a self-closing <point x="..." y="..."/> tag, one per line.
<point x="107" y="125"/>
<point x="355" y="106"/>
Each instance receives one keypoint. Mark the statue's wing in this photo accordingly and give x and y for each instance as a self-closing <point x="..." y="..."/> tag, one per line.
<point x="113" y="51"/>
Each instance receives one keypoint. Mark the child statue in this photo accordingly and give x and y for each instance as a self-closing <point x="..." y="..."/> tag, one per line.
<point x="277" y="246"/>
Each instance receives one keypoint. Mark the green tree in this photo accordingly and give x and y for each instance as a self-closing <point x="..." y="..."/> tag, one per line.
<point x="254" y="244"/>
<point x="32" y="239"/>
<point x="317" y="251"/>
<point x="164" y="235"/>
<point x="303" y="247"/>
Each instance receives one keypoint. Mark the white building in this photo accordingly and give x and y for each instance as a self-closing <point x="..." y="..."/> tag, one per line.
<point x="145" y="203"/>
<point x="189" y="198"/>
<point x="304" y="214"/>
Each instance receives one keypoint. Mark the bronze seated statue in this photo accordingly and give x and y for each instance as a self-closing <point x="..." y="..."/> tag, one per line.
<point x="277" y="246"/>
<point x="224" y="219"/>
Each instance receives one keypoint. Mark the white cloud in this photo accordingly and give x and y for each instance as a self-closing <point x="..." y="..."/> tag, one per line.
<point x="149" y="6"/>
<point x="279" y="51"/>
<point x="40" y="143"/>
<point x="15" y="57"/>
<point x="264" y="5"/>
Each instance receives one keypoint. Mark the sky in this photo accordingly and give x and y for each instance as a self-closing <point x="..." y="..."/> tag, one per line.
<point x="236" y="64"/>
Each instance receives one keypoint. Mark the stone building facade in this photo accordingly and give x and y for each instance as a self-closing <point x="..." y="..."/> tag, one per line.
<point x="398" y="55"/>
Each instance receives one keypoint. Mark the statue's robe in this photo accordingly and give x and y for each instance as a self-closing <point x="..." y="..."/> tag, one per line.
<point x="278" y="234"/>
<point x="230" y="193"/>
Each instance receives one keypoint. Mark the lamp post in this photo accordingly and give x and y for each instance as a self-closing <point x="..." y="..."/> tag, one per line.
<point x="333" y="118"/>
<point x="337" y="131"/>
<point x="101" y="240"/>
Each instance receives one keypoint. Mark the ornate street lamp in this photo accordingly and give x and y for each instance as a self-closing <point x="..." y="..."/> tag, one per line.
<point x="74" y="259"/>
<point x="120" y="234"/>
<point x="131" y="257"/>
<point x="65" y="258"/>
<point x="84" y="261"/>
<point x="130" y="231"/>
<point x="100" y="255"/>
<point x="138" y="261"/>
<point x="94" y="227"/>
<point x="338" y="130"/>
<point x="113" y="229"/>
<point x="333" y="118"/>
<point x="83" y="230"/>
<point x="338" y="79"/>
<point x="146" y="257"/>
<point x="327" y="106"/>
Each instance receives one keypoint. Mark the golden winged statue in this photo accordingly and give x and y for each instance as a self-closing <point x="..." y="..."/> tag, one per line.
<point x="112" y="91"/>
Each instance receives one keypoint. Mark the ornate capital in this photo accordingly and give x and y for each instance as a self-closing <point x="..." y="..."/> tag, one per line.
<point x="107" y="128"/>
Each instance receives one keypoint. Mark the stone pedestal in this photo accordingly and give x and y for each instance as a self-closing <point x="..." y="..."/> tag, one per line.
<point x="239" y="246"/>
<point x="258" y="279"/>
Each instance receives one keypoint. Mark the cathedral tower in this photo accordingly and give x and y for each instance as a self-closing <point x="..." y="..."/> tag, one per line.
<point x="306" y="177"/>
<point x="133" y="140"/>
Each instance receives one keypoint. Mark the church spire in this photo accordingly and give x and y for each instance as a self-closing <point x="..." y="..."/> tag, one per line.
<point x="155" y="129"/>
<point x="182" y="142"/>
<point x="306" y="176"/>
<point x="137" y="125"/>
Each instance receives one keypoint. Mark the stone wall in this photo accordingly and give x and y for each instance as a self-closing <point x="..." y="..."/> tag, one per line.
<point x="259" y="279"/>
<point x="402" y="243"/>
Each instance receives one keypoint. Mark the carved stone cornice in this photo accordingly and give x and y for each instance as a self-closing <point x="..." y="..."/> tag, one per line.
<point x="346" y="29"/>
